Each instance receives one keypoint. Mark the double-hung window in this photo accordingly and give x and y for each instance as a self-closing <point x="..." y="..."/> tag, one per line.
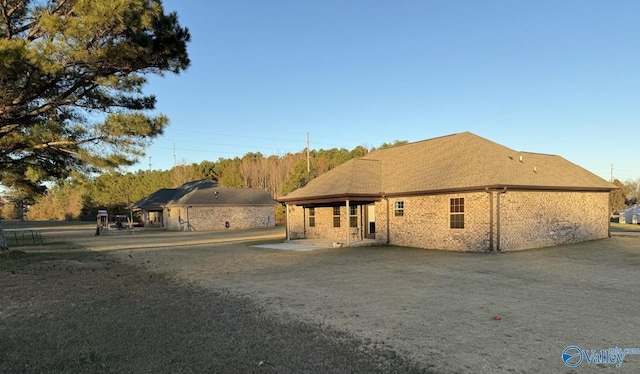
<point x="456" y="211"/>
<point x="353" y="216"/>
<point x="336" y="216"/>
<point x="312" y="217"/>
<point x="398" y="208"/>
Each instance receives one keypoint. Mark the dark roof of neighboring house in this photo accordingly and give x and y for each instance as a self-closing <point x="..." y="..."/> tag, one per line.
<point x="156" y="199"/>
<point x="458" y="162"/>
<point x="205" y="192"/>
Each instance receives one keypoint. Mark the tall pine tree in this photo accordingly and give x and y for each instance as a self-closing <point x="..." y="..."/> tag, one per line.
<point x="71" y="79"/>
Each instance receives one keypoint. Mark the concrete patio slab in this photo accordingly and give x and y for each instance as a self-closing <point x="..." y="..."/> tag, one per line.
<point x="291" y="247"/>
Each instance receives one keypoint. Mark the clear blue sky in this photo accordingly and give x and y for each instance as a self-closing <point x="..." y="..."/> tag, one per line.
<point x="559" y="77"/>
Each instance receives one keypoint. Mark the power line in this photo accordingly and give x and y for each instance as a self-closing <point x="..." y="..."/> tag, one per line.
<point x="279" y="139"/>
<point x="190" y="141"/>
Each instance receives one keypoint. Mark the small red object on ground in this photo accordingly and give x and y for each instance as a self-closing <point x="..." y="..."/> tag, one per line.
<point x="497" y="317"/>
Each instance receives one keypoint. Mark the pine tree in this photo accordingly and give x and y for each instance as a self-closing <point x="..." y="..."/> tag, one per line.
<point x="64" y="63"/>
<point x="71" y="78"/>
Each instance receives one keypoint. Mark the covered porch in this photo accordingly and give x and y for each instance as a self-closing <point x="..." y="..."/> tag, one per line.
<point x="333" y="222"/>
<point x="152" y="217"/>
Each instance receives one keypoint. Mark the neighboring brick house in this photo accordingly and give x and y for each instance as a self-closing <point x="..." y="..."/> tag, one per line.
<point x="459" y="192"/>
<point x="204" y="205"/>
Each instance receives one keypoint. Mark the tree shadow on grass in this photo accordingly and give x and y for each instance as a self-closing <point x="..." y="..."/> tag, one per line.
<point x="79" y="311"/>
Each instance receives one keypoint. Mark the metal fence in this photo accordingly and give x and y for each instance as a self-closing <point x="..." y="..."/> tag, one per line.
<point x="23" y="237"/>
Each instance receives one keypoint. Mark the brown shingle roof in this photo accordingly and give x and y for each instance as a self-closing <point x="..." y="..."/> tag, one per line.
<point x="462" y="161"/>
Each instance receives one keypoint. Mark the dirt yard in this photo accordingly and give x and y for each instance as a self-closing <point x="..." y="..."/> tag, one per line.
<point x="370" y="309"/>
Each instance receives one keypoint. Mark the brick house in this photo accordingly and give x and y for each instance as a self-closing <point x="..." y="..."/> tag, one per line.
<point x="459" y="192"/>
<point x="204" y="205"/>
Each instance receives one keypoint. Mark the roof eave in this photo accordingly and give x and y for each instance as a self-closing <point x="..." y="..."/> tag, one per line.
<point x="496" y="187"/>
<point x="381" y="195"/>
<point x="330" y="198"/>
<point x="220" y="205"/>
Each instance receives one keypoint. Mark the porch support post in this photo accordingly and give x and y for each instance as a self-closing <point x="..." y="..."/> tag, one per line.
<point x="286" y="208"/>
<point x="362" y="230"/>
<point x="348" y="224"/>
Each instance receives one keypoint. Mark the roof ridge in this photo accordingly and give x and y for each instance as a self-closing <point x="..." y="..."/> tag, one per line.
<point x="455" y="161"/>
<point x="540" y="153"/>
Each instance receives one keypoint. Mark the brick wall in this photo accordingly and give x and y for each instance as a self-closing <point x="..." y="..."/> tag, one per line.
<point x="426" y="222"/>
<point x="215" y="218"/>
<point x="543" y="219"/>
<point x="173" y="218"/>
<point x="528" y="219"/>
<point x="295" y="216"/>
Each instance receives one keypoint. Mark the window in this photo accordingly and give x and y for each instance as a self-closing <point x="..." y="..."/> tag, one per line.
<point x="353" y="216"/>
<point x="336" y="216"/>
<point x="398" y="208"/>
<point x="456" y="208"/>
<point x="312" y="217"/>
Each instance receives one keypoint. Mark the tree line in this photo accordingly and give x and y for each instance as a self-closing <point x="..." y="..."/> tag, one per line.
<point x="79" y="196"/>
<point x="627" y="194"/>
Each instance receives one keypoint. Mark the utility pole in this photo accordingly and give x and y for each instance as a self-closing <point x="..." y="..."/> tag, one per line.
<point x="174" y="155"/>
<point x="308" y="160"/>
<point x="149" y="163"/>
<point x="611" y="180"/>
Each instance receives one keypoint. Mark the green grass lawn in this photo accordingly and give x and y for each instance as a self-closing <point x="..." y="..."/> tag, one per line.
<point x="75" y="311"/>
<point x="19" y="225"/>
<point x="624" y="227"/>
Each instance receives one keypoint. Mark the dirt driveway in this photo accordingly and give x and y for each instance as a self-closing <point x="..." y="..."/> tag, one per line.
<point x="436" y="308"/>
